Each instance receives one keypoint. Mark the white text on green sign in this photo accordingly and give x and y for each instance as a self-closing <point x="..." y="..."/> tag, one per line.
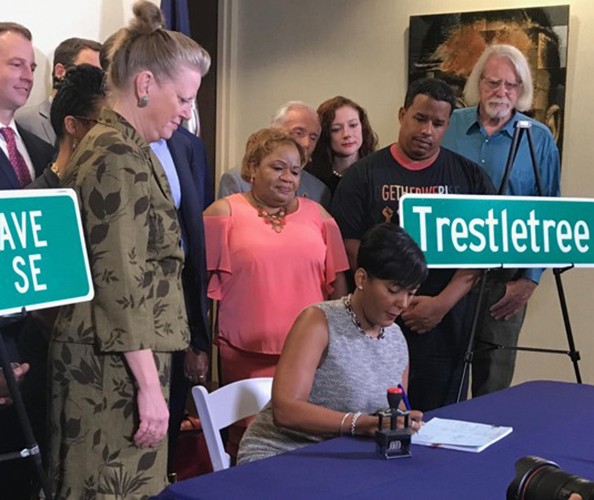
<point x="43" y="260"/>
<point x="493" y="231"/>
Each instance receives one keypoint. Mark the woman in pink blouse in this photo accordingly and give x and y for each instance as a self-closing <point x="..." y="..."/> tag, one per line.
<point x="270" y="255"/>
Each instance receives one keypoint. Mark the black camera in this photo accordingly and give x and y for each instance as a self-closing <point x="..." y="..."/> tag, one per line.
<point x="540" y="479"/>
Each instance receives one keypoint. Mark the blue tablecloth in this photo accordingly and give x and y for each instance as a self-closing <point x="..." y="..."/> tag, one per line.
<point x="553" y="420"/>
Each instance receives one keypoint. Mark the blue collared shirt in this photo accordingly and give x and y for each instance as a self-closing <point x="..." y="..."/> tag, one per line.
<point x="466" y="136"/>
<point x="162" y="152"/>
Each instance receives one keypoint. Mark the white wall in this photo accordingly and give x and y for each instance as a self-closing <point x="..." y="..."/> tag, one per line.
<point x="53" y="21"/>
<point x="313" y="49"/>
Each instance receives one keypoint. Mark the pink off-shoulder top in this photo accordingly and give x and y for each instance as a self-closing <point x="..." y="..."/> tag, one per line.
<point x="264" y="279"/>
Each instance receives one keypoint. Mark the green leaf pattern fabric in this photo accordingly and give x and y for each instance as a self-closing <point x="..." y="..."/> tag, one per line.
<point x="133" y="240"/>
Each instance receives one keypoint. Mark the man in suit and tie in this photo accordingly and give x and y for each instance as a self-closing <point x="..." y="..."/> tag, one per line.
<point x="69" y="53"/>
<point x="23" y="156"/>
<point x="17" y="64"/>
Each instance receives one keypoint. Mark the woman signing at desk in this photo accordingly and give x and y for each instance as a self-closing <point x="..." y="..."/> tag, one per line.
<point x="340" y="356"/>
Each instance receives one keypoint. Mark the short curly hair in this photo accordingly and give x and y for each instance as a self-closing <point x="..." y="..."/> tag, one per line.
<point x="434" y="88"/>
<point x="260" y="144"/>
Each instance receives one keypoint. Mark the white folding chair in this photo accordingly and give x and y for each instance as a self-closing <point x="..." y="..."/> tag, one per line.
<point x="225" y="406"/>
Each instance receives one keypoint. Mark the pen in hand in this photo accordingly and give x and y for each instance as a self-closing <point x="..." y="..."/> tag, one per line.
<point x="408" y="407"/>
<point x="404" y="398"/>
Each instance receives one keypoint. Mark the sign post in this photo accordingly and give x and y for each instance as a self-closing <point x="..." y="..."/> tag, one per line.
<point x="43" y="263"/>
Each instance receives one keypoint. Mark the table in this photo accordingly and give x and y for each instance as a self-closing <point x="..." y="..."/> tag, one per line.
<point x="552" y="420"/>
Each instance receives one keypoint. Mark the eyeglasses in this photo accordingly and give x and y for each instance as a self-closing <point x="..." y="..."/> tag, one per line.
<point x="495" y="84"/>
<point x="86" y="120"/>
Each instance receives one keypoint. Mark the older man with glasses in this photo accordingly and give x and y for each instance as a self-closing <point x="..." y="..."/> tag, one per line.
<point x="500" y="87"/>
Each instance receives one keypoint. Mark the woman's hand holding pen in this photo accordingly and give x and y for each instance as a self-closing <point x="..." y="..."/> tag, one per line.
<point x="415" y="420"/>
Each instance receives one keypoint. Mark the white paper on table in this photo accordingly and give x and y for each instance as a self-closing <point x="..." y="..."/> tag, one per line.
<point x="459" y="434"/>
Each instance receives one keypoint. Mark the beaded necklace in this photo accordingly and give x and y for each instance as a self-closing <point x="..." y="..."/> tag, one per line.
<point x="276" y="220"/>
<point x="349" y="308"/>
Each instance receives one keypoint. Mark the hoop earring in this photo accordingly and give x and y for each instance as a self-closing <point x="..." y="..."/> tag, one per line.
<point x="143" y="101"/>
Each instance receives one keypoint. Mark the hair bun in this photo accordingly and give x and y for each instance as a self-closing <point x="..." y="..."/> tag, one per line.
<point x="147" y="17"/>
<point x="80" y="75"/>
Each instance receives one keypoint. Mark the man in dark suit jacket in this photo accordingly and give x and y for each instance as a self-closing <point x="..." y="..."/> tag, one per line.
<point x="191" y="366"/>
<point x="24" y="338"/>
<point x="39" y="151"/>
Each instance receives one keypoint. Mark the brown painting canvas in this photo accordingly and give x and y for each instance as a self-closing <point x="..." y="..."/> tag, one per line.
<point x="448" y="45"/>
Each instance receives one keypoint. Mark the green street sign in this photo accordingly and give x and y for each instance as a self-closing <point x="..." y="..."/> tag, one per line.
<point x="43" y="258"/>
<point x="500" y="231"/>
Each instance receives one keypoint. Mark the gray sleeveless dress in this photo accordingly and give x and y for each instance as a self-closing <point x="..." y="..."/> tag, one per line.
<point x="353" y="377"/>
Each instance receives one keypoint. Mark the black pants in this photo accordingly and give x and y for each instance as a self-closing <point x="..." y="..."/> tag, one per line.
<point x="178" y="394"/>
<point x="437" y="358"/>
<point x="27" y="341"/>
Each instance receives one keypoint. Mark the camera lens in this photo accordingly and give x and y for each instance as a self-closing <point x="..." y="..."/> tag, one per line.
<point x="539" y="479"/>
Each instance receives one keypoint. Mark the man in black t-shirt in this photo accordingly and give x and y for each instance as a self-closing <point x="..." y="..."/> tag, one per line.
<point x="437" y="321"/>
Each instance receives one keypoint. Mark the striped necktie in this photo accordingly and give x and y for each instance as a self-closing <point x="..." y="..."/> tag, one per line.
<point x="15" y="157"/>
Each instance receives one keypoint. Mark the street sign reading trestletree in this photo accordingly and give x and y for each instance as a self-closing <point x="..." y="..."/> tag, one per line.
<point x="43" y="258"/>
<point x="500" y="231"/>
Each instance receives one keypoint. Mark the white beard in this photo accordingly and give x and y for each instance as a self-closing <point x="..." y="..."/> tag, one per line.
<point x="498" y="109"/>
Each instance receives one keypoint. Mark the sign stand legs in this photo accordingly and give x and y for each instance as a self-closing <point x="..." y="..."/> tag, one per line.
<point x="469" y="354"/>
<point x="521" y="128"/>
<point x="573" y="354"/>
<point x="31" y="451"/>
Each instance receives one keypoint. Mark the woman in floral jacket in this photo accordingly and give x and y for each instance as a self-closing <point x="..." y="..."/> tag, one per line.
<point x="110" y="357"/>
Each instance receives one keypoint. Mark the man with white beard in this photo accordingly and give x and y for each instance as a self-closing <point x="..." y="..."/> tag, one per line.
<point x="500" y="87"/>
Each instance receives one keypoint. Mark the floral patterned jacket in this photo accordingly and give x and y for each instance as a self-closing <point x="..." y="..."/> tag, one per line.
<point x="133" y="241"/>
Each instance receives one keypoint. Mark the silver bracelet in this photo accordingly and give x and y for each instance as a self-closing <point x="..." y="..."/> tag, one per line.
<point x="354" y="422"/>
<point x="342" y="422"/>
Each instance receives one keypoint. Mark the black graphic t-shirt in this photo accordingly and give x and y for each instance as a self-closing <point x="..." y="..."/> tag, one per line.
<point x="371" y="189"/>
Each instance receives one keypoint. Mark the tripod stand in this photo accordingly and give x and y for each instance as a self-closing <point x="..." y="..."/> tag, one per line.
<point x="31" y="450"/>
<point x="521" y="128"/>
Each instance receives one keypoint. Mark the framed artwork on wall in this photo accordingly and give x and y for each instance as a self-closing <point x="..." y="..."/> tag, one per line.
<point x="447" y="46"/>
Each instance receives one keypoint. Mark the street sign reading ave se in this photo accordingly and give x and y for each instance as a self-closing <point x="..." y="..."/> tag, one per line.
<point x="470" y="231"/>
<point x="43" y="259"/>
